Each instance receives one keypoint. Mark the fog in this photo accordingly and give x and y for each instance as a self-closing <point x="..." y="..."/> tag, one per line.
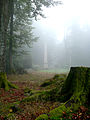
<point x="64" y="36"/>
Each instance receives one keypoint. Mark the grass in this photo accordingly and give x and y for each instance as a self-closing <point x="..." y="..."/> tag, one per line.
<point x="59" y="71"/>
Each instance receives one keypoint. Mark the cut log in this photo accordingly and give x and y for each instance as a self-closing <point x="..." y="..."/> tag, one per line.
<point x="4" y="83"/>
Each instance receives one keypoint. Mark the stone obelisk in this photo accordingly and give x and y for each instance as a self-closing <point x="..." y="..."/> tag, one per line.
<point x="45" y="56"/>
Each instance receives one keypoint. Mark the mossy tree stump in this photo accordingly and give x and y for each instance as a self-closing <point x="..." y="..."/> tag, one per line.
<point x="74" y="93"/>
<point x="77" y="85"/>
<point x="4" y="83"/>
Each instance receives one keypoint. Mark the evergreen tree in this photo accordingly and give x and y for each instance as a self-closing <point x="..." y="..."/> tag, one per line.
<point x="26" y="9"/>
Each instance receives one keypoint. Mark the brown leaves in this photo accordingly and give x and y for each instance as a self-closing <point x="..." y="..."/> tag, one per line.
<point x="11" y="96"/>
<point x="83" y="109"/>
<point x="26" y="111"/>
<point x="81" y="114"/>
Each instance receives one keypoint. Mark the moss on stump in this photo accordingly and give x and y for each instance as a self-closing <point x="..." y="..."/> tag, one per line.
<point x="74" y="93"/>
<point x="4" y="83"/>
<point x="77" y="85"/>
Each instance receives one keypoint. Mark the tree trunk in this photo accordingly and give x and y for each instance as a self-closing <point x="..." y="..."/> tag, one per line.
<point x="75" y="95"/>
<point x="11" y="35"/>
<point x="4" y="18"/>
<point x="77" y="86"/>
<point x="4" y="83"/>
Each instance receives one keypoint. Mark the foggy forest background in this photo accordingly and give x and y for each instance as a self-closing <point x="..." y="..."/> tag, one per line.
<point x="65" y="33"/>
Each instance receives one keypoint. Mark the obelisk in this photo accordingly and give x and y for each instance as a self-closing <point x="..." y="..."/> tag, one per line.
<point x="45" y="56"/>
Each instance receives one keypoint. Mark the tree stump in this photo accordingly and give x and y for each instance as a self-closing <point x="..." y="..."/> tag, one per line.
<point x="75" y="94"/>
<point x="77" y="86"/>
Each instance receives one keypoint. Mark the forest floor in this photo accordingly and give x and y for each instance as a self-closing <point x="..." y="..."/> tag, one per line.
<point x="11" y="107"/>
<point x="27" y="110"/>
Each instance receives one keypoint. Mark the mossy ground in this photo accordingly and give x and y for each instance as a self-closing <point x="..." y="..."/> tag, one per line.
<point x="47" y="100"/>
<point x="75" y="91"/>
<point x="28" y="86"/>
<point x="49" y="90"/>
<point x="42" y="117"/>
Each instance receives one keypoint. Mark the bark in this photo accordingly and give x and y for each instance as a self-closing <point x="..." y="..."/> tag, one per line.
<point x="75" y="95"/>
<point x="77" y="86"/>
<point x="4" y="19"/>
<point x="1" y="4"/>
<point x="11" y="35"/>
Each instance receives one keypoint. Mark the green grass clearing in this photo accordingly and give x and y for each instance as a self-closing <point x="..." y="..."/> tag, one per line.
<point x="56" y="70"/>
